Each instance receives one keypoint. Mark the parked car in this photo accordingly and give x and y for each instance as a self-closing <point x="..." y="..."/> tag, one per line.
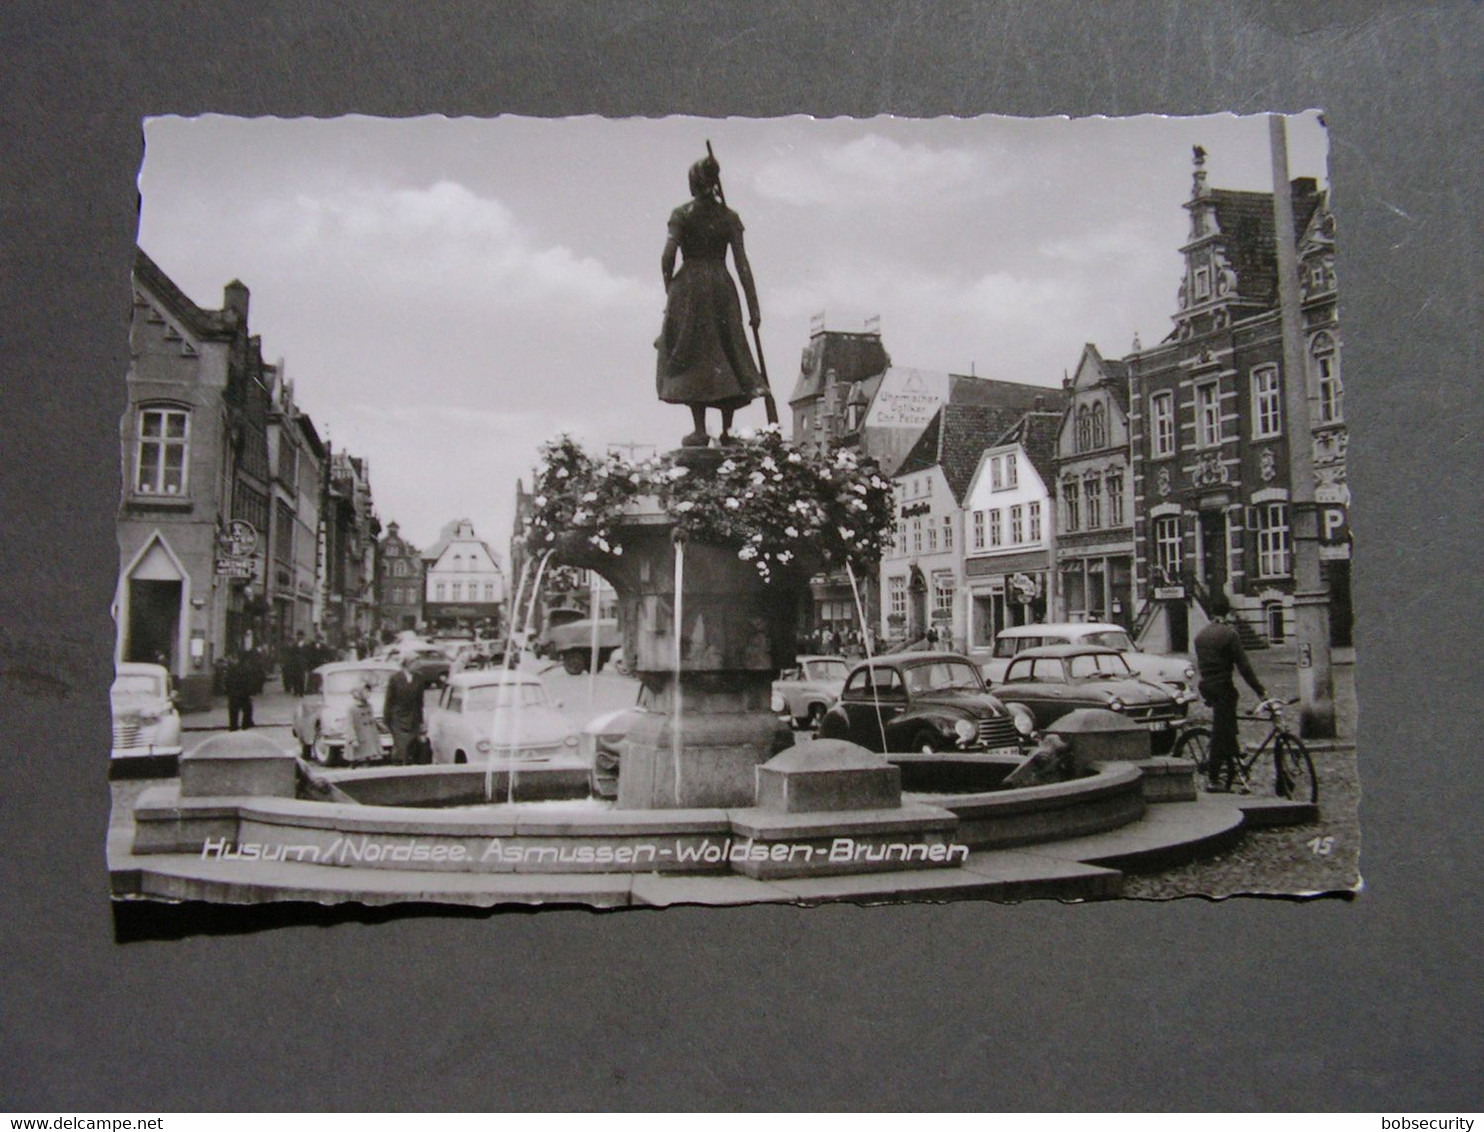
<point x="145" y="720"/>
<point x="494" y="714"/>
<point x="924" y="701"/>
<point x="1175" y="671"/>
<point x="569" y="639"/>
<point x="322" y="717"/>
<point x="1055" y="679"/>
<point x="602" y="738"/>
<point x="806" y="691"/>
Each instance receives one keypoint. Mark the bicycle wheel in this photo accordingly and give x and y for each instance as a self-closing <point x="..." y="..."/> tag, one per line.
<point x="1295" y="770"/>
<point x="1195" y="744"/>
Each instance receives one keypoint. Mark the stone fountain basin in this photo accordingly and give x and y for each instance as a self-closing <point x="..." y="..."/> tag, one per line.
<point x="410" y="818"/>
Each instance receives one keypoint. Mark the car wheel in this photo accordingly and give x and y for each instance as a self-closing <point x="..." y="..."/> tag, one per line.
<point x="815" y="717"/>
<point x="306" y="751"/>
<point x="460" y="759"/>
<point x="574" y="663"/>
<point x="926" y="742"/>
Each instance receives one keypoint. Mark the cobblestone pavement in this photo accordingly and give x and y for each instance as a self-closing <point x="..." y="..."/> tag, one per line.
<point x="1315" y="857"/>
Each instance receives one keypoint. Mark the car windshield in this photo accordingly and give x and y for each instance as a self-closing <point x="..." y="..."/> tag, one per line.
<point x="944" y="676"/>
<point x="344" y="683"/>
<point x="825" y="669"/>
<point x="1006" y="647"/>
<point x="1098" y="666"/>
<point x="137" y="684"/>
<point x="1109" y="639"/>
<point x="493" y="697"/>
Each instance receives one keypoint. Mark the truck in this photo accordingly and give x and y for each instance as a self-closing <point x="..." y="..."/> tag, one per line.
<point x="568" y="637"/>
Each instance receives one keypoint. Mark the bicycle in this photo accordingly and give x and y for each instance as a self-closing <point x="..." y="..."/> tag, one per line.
<point x="1293" y="769"/>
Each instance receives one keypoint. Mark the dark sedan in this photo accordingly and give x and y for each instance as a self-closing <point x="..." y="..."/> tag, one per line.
<point x="924" y="701"/>
<point x="1056" y="679"/>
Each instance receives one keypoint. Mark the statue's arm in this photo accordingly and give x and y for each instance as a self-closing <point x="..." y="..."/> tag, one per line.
<point x="744" y="273"/>
<point x="667" y="261"/>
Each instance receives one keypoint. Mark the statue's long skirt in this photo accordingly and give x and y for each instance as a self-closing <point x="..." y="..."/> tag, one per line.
<point x="704" y="358"/>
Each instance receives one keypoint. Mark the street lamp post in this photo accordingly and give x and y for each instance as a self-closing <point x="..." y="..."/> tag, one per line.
<point x="1310" y="594"/>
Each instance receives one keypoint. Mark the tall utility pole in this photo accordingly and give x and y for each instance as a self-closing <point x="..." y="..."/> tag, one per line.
<point x="1310" y="594"/>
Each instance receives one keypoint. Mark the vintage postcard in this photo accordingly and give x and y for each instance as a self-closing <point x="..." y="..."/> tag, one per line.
<point x="722" y="511"/>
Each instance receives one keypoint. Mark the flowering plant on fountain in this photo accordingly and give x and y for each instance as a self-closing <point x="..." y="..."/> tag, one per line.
<point x="772" y="502"/>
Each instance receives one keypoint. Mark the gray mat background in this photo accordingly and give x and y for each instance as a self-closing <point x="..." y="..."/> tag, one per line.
<point x="1366" y="1004"/>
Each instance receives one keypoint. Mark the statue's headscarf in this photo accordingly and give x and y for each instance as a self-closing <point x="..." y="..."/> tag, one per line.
<point x="704" y="175"/>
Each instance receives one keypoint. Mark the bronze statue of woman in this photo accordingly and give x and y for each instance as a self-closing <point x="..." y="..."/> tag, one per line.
<point x="704" y="360"/>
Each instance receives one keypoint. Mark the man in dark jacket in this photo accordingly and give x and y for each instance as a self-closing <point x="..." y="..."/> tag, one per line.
<point x="1218" y="654"/>
<point x="403" y="710"/>
<point x="241" y="680"/>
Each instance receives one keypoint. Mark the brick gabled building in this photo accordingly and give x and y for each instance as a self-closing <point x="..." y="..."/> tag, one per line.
<point x="1208" y="430"/>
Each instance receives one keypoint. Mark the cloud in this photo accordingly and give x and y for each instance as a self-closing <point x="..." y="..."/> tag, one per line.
<point x="875" y="169"/>
<point x="1119" y="242"/>
<point x="442" y="235"/>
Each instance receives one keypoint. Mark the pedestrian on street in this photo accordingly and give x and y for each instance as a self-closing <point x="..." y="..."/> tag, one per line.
<point x="241" y="684"/>
<point x="363" y="741"/>
<point x="293" y="666"/>
<point x="403" y="710"/>
<point x="1218" y="654"/>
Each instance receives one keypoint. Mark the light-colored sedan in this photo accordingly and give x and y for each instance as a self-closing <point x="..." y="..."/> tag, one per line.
<point x="145" y="720"/>
<point x="323" y="716"/>
<point x="810" y="688"/>
<point x="495" y="714"/>
<point x="1174" y="671"/>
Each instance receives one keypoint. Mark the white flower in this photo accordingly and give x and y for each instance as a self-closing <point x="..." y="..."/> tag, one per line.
<point x="579" y="516"/>
<point x="845" y="533"/>
<point x="733" y="503"/>
<point x="747" y="553"/>
<point x="795" y="458"/>
<point x="634" y="479"/>
<point x="791" y="532"/>
<point x="540" y="501"/>
<point x="679" y="471"/>
<point x="562" y="473"/>
<point x="785" y="556"/>
<point x="778" y="476"/>
<point x="684" y="505"/>
<point x="590" y="497"/>
<point x="550" y="536"/>
<point x="769" y="464"/>
<point x="747" y="433"/>
<point x="858" y="488"/>
<point x="727" y="467"/>
<point x="617" y="548"/>
<point x="757" y="477"/>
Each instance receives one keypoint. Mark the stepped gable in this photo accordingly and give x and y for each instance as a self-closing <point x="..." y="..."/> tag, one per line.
<point x="204" y="323"/>
<point x="853" y="357"/>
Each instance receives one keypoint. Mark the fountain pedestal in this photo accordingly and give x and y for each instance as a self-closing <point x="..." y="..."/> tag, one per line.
<point x="736" y="632"/>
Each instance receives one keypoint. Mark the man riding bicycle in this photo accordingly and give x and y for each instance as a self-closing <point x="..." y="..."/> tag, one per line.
<point x="1218" y="652"/>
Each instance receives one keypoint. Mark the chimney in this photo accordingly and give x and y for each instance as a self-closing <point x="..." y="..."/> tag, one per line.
<point x="234" y="299"/>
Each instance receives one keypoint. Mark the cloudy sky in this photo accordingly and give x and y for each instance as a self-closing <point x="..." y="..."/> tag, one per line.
<point x="446" y="293"/>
